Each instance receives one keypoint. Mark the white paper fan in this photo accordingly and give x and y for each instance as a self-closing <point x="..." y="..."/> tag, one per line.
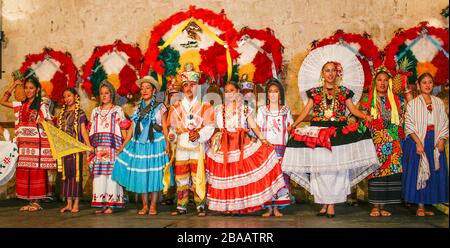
<point x="424" y="50"/>
<point x="46" y="69"/>
<point x="309" y="73"/>
<point x="114" y="62"/>
<point x="247" y="50"/>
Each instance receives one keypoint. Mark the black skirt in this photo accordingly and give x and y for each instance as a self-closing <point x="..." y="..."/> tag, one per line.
<point x="386" y="190"/>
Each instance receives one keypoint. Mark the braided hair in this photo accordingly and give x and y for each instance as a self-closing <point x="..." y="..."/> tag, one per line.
<point x="77" y="111"/>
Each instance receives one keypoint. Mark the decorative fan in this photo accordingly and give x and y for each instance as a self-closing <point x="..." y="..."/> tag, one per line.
<point x="309" y="74"/>
<point x="54" y="69"/>
<point x="119" y="63"/>
<point x="362" y="46"/>
<point x="417" y="50"/>
<point x="8" y="158"/>
<point x="197" y="36"/>
<point x="260" y="54"/>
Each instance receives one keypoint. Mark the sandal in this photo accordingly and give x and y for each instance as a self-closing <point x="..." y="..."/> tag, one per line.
<point x="420" y="212"/>
<point x="201" y="212"/>
<point x="25" y="208"/>
<point x="152" y="211"/>
<point x="179" y="212"/>
<point x="143" y="211"/>
<point x="34" y="207"/>
<point x="429" y="213"/>
<point x="375" y="212"/>
<point x="385" y="213"/>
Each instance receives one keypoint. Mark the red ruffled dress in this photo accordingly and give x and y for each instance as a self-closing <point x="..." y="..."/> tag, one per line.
<point x="242" y="174"/>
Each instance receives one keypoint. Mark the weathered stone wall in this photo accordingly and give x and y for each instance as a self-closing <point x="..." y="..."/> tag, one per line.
<point x="79" y="25"/>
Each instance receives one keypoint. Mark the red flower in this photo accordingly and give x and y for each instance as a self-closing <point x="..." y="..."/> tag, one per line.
<point x="377" y="124"/>
<point x="350" y="128"/>
<point x="317" y="99"/>
<point x="342" y="99"/>
<point x="396" y="147"/>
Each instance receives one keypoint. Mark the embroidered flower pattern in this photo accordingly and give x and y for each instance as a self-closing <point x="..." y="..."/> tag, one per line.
<point x="386" y="137"/>
<point x="338" y="108"/>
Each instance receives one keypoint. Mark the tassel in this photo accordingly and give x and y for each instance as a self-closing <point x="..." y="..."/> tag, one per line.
<point x="394" y="111"/>
<point x="373" y="104"/>
<point x="77" y="160"/>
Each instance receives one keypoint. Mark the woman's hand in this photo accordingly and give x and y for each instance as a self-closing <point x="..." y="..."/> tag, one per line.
<point x="419" y="149"/>
<point x="120" y="149"/>
<point x="168" y="150"/>
<point x="193" y="136"/>
<point x="265" y="142"/>
<point x="441" y="145"/>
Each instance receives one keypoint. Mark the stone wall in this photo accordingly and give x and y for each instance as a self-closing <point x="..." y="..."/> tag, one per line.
<point x="79" y="25"/>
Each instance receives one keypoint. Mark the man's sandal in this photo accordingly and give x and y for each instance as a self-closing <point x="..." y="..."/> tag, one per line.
<point x="201" y="212"/>
<point x="179" y="212"/>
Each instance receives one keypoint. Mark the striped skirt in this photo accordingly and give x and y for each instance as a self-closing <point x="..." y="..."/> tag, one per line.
<point x="31" y="184"/>
<point x="283" y="197"/>
<point x="385" y="190"/>
<point x="139" y="167"/>
<point x="70" y="186"/>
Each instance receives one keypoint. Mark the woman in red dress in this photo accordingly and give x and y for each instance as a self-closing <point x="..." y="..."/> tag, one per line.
<point x="242" y="174"/>
<point x="35" y="156"/>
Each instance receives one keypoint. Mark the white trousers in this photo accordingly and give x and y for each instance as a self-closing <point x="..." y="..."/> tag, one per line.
<point x="330" y="187"/>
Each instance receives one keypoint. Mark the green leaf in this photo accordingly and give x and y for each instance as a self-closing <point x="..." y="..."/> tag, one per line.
<point x="98" y="75"/>
<point x="412" y="62"/>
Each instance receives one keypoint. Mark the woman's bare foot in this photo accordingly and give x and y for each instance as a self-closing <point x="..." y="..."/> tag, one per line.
<point x="100" y="211"/>
<point x="268" y="213"/>
<point x="66" y="209"/>
<point x="75" y="210"/>
<point x="277" y="213"/>
<point x="385" y="213"/>
<point x="152" y="210"/>
<point x="143" y="211"/>
<point x="323" y="211"/>
<point x="330" y="211"/>
<point x="108" y="211"/>
<point x="375" y="212"/>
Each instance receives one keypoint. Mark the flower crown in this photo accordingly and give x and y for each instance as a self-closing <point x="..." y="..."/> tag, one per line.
<point x="380" y="70"/>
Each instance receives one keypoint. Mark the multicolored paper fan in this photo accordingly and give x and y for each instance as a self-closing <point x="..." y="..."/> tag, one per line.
<point x="260" y="54"/>
<point x="309" y="73"/>
<point x="197" y="36"/>
<point x="54" y="69"/>
<point x="362" y="46"/>
<point x="417" y="50"/>
<point x="119" y="63"/>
